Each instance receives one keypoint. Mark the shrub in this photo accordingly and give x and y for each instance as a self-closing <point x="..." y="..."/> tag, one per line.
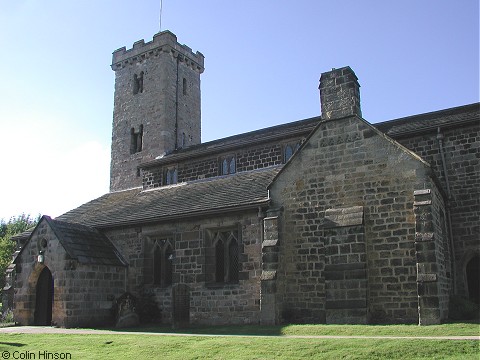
<point x="7" y="317"/>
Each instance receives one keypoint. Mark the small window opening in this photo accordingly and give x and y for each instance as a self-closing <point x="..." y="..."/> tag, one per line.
<point x="184" y="86"/>
<point x="183" y="139"/>
<point x="136" y="140"/>
<point x="171" y="176"/>
<point x="289" y="150"/>
<point x="138" y="83"/>
<point x="228" y="165"/>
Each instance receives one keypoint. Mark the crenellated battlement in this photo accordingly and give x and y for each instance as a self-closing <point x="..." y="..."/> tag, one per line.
<point x="164" y="41"/>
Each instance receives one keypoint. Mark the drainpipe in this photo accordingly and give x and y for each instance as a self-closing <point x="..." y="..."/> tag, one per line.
<point x="440" y="138"/>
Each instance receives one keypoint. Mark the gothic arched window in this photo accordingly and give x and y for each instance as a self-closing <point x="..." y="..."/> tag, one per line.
<point x="159" y="256"/>
<point x="226" y="257"/>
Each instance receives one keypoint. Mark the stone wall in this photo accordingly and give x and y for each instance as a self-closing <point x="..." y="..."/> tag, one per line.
<point x="345" y="266"/>
<point x="461" y="146"/>
<point x="236" y="303"/>
<point x="346" y="163"/>
<point x="246" y="159"/>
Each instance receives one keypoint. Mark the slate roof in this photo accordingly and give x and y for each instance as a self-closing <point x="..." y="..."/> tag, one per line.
<point x="417" y="124"/>
<point x="199" y="197"/>
<point x="86" y="244"/>
<point x="83" y="243"/>
<point x="262" y="136"/>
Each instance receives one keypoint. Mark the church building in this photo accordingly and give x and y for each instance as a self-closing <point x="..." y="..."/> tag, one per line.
<point x="329" y="219"/>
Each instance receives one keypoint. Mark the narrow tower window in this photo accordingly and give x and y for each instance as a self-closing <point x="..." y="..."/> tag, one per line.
<point x="184" y="86"/>
<point x="138" y="83"/>
<point x="136" y="140"/>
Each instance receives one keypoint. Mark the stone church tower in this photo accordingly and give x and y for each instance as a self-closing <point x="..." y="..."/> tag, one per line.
<point x="156" y="105"/>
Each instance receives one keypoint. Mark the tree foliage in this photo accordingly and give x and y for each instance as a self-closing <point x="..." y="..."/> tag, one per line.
<point x="16" y="225"/>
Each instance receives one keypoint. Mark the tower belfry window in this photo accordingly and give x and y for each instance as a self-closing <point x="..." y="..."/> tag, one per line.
<point x="136" y="140"/>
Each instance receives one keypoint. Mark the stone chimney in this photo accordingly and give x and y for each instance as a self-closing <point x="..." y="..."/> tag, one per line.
<point x="339" y="94"/>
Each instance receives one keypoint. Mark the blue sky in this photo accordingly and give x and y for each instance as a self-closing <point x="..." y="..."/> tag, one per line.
<point x="263" y="60"/>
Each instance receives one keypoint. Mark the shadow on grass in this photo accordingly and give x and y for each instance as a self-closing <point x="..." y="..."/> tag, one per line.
<point x="449" y="329"/>
<point x="12" y="344"/>
<point x="206" y="330"/>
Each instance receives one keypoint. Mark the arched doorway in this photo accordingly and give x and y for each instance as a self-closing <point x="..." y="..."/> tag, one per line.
<point x="473" y="279"/>
<point x="44" y="298"/>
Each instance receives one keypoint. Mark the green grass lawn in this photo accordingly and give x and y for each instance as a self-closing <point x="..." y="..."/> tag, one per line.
<point x="453" y="329"/>
<point x="140" y="346"/>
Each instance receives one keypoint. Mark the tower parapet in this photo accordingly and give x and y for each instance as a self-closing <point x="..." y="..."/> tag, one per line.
<point x="164" y="41"/>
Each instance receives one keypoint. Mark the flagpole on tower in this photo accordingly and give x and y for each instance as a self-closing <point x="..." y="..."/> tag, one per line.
<point x="161" y="7"/>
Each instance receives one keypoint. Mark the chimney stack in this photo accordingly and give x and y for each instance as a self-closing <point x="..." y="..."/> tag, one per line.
<point x="339" y="94"/>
